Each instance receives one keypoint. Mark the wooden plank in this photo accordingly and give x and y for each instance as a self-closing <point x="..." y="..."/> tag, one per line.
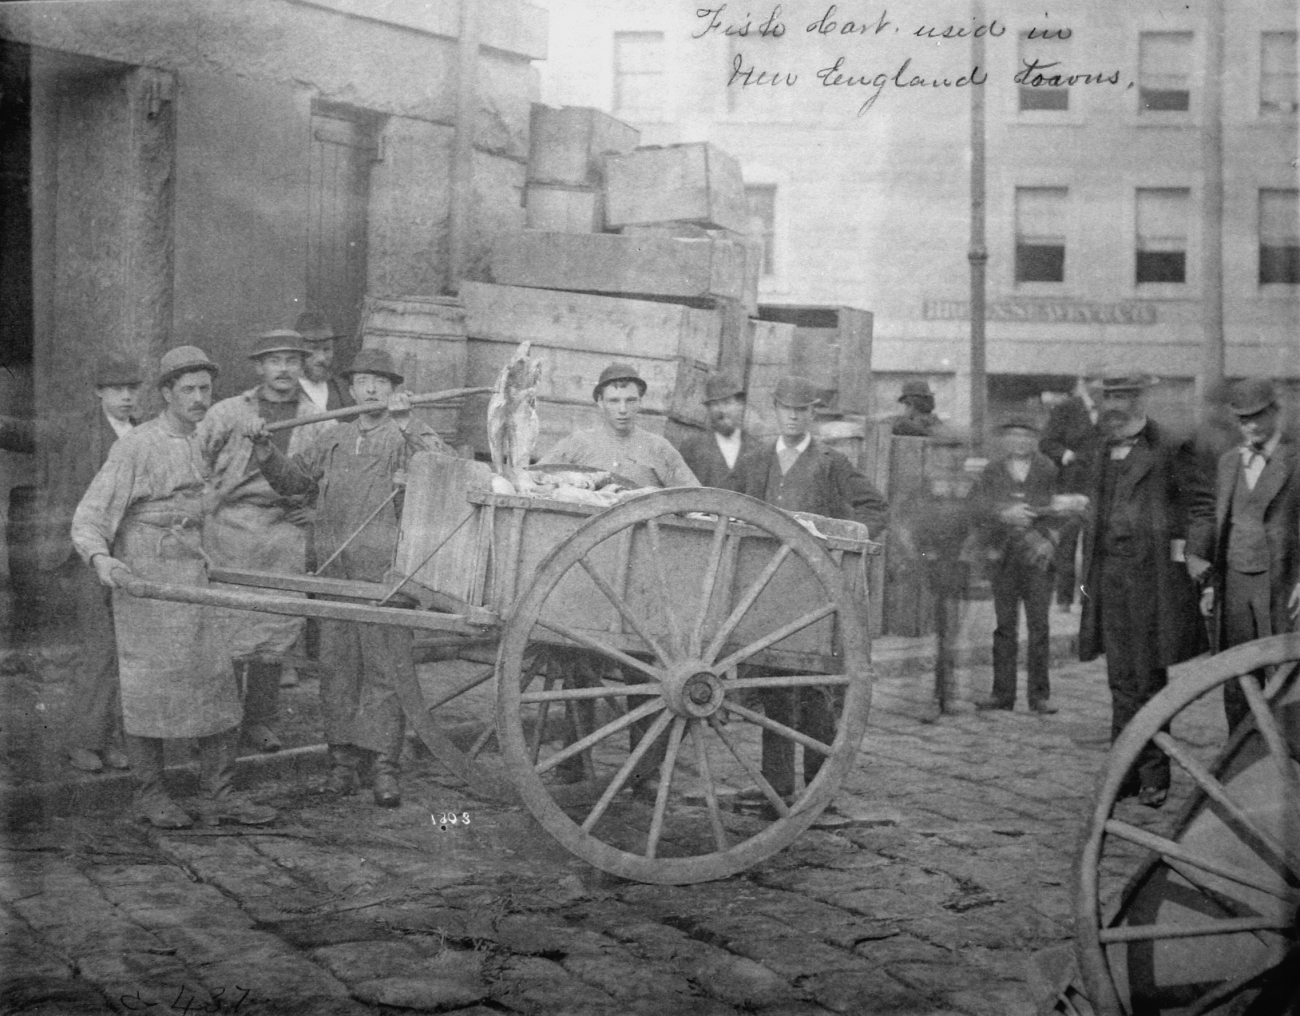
<point x="695" y="182"/>
<point x="856" y="335"/>
<point x="432" y="515"/>
<point x="563" y="209"/>
<point x="568" y="145"/>
<point x="603" y="324"/>
<point x="612" y="263"/>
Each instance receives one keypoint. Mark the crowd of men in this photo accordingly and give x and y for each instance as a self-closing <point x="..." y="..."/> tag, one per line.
<point x="1185" y="542"/>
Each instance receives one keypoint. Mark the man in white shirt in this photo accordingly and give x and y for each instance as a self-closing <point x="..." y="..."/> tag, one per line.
<point x="712" y="454"/>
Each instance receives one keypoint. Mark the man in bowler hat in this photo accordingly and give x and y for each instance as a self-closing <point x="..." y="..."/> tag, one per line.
<point x="1246" y="553"/>
<point x="712" y="455"/>
<point x="917" y="418"/>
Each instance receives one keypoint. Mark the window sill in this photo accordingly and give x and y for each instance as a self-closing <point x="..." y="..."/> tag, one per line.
<point x="1030" y="118"/>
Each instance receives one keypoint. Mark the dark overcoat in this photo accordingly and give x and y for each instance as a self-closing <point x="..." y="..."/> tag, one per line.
<point x="1161" y="489"/>
<point x="827" y="483"/>
<point x="1278" y="487"/>
<point x="701" y="452"/>
<point x="1070" y="428"/>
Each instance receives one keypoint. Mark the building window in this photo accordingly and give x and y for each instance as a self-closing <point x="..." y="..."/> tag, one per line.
<point x="1279" y="236"/>
<point x="762" y="222"/>
<point x="1040" y="234"/>
<point x="1277" y="74"/>
<point x="1043" y="58"/>
<point x="1162" y="234"/>
<point x="1165" y="72"/>
<point x="639" y="75"/>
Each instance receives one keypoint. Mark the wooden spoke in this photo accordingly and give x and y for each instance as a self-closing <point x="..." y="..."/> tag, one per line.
<point x="1278" y="853"/>
<point x="1171" y="850"/>
<point x="746" y="601"/>
<point x="1152" y="932"/>
<point x="616" y="784"/>
<point x="482" y="741"/>
<point x="779" y="728"/>
<point x="1280" y="677"/>
<point x="754" y="773"/>
<point x="596" y="736"/>
<point x="594" y="644"/>
<point x="1266" y="724"/>
<point x="1215" y="997"/>
<point x="707" y="587"/>
<point x="633" y="621"/>
<point x="482" y="677"/>
<point x="789" y="681"/>
<point x="710" y="792"/>
<point x="602" y="691"/>
<point x="785" y="631"/>
<point x="665" y="780"/>
<point x="665" y="594"/>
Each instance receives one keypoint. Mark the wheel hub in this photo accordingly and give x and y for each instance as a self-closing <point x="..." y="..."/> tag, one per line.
<point x="693" y="691"/>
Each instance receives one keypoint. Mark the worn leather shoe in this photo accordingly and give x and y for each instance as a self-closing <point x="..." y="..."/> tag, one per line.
<point x="387" y="793"/>
<point x="85" y="760"/>
<point x="1152" y="797"/>
<point x="1044" y="706"/>
<point x="261" y="738"/>
<point x="162" y="813"/>
<point x="115" y="758"/>
<point x="986" y="704"/>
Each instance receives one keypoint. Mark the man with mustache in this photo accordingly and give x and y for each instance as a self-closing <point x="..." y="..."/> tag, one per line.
<point x="1246" y="553"/>
<point x="142" y="516"/>
<point x="353" y="470"/>
<point x="1139" y="604"/>
<point x="253" y="527"/>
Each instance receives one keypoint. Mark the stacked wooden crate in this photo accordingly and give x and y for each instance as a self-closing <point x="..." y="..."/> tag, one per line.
<point x="566" y="151"/>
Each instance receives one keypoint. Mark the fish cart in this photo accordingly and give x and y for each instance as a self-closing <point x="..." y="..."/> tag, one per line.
<point x="1206" y="921"/>
<point x="640" y="653"/>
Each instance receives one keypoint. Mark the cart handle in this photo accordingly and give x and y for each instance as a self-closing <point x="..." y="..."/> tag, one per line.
<point x="347" y="412"/>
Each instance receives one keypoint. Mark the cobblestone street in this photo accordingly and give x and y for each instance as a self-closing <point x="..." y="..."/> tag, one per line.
<point x="944" y="887"/>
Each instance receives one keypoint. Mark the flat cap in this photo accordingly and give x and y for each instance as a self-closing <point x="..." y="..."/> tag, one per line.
<point x="617" y="372"/>
<point x="1113" y="379"/>
<point x="373" y="361"/>
<point x="182" y="360"/>
<point x="1251" y="396"/>
<point x="116" y="369"/>
<point x="1019" y="422"/>
<point x="916" y="389"/>
<point x="279" y="340"/>
<point x="796" y="392"/>
<point x="314" y="326"/>
<point x="722" y="386"/>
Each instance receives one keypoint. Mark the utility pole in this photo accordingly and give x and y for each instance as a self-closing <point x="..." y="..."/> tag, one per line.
<point x="1212" y="355"/>
<point x="978" y="254"/>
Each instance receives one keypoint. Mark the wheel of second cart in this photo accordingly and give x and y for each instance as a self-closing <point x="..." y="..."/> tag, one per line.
<point x="1194" y="909"/>
<point x="684" y="685"/>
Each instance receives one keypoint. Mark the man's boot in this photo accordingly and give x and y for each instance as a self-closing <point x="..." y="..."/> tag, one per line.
<point x="219" y="802"/>
<point x="261" y="705"/>
<point x="387" y="793"/>
<point x="344" y="778"/>
<point x="152" y="803"/>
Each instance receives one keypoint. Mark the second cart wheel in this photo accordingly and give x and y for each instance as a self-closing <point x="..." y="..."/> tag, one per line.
<point x="670" y="674"/>
<point x="1206" y="920"/>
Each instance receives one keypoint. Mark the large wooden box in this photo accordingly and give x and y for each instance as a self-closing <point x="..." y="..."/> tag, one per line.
<point x="695" y="269"/>
<point x="558" y="209"/>
<point x="831" y="346"/>
<point x="425" y="335"/>
<point x="616" y="328"/>
<point x="696" y="183"/>
<point x="568" y="145"/>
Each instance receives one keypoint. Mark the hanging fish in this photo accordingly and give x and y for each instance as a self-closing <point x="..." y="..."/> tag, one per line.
<point x="512" y="423"/>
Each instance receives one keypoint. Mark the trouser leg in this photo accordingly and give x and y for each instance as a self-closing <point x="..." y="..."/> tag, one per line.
<point x="340" y="679"/>
<point x="1066" y="578"/>
<point x="97" y="706"/>
<point x="818" y="711"/>
<point x="1006" y="633"/>
<point x="219" y="801"/>
<point x="152" y="803"/>
<point x="778" y="750"/>
<point x="1037" y="594"/>
<point x="1246" y="616"/>
<point x="262" y="693"/>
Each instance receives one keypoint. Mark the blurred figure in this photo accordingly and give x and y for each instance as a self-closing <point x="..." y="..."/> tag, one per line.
<point x="1246" y="554"/>
<point x="712" y="456"/>
<point x="1071" y="440"/>
<point x="1139" y="604"/>
<point x="917" y="418"/>
<point x="1010" y="502"/>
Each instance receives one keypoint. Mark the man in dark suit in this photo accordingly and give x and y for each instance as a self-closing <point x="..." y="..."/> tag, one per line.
<point x="800" y="474"/>
<point x="1010" y="501"/>
<point x="1071" y="440"/>
<point x="1247" y="553"/>
<point x="1139" y="604"/>
<point x="712" y="456"/>
<point x="75" y="449"/>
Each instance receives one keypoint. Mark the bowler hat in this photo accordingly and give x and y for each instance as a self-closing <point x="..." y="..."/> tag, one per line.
<point x="795" y="392"/>
<point x="280" y="340"/>
<point x="182" y="360"/>
<point x="1251" y="396"/>
<point x="373" y="361"/>
<point x="915" y="389"/>
<point x="314" y="326"/>
<point x="116" y="369"/>
<point x="1020" y="422"/>
<point x="722" y="386"/>
<point x="617" y="372"/>
<point x="1113" y="379"/>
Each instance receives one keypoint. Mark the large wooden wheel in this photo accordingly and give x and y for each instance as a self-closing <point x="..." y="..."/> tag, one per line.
<point x="673" y="667"/>
<point x="1208" y="920"/>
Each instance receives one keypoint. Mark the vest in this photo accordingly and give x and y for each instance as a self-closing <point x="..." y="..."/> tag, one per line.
<point x="1119" y="527"/>
<point x="1247" y="539"/>
<point x="791" y="490"/>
